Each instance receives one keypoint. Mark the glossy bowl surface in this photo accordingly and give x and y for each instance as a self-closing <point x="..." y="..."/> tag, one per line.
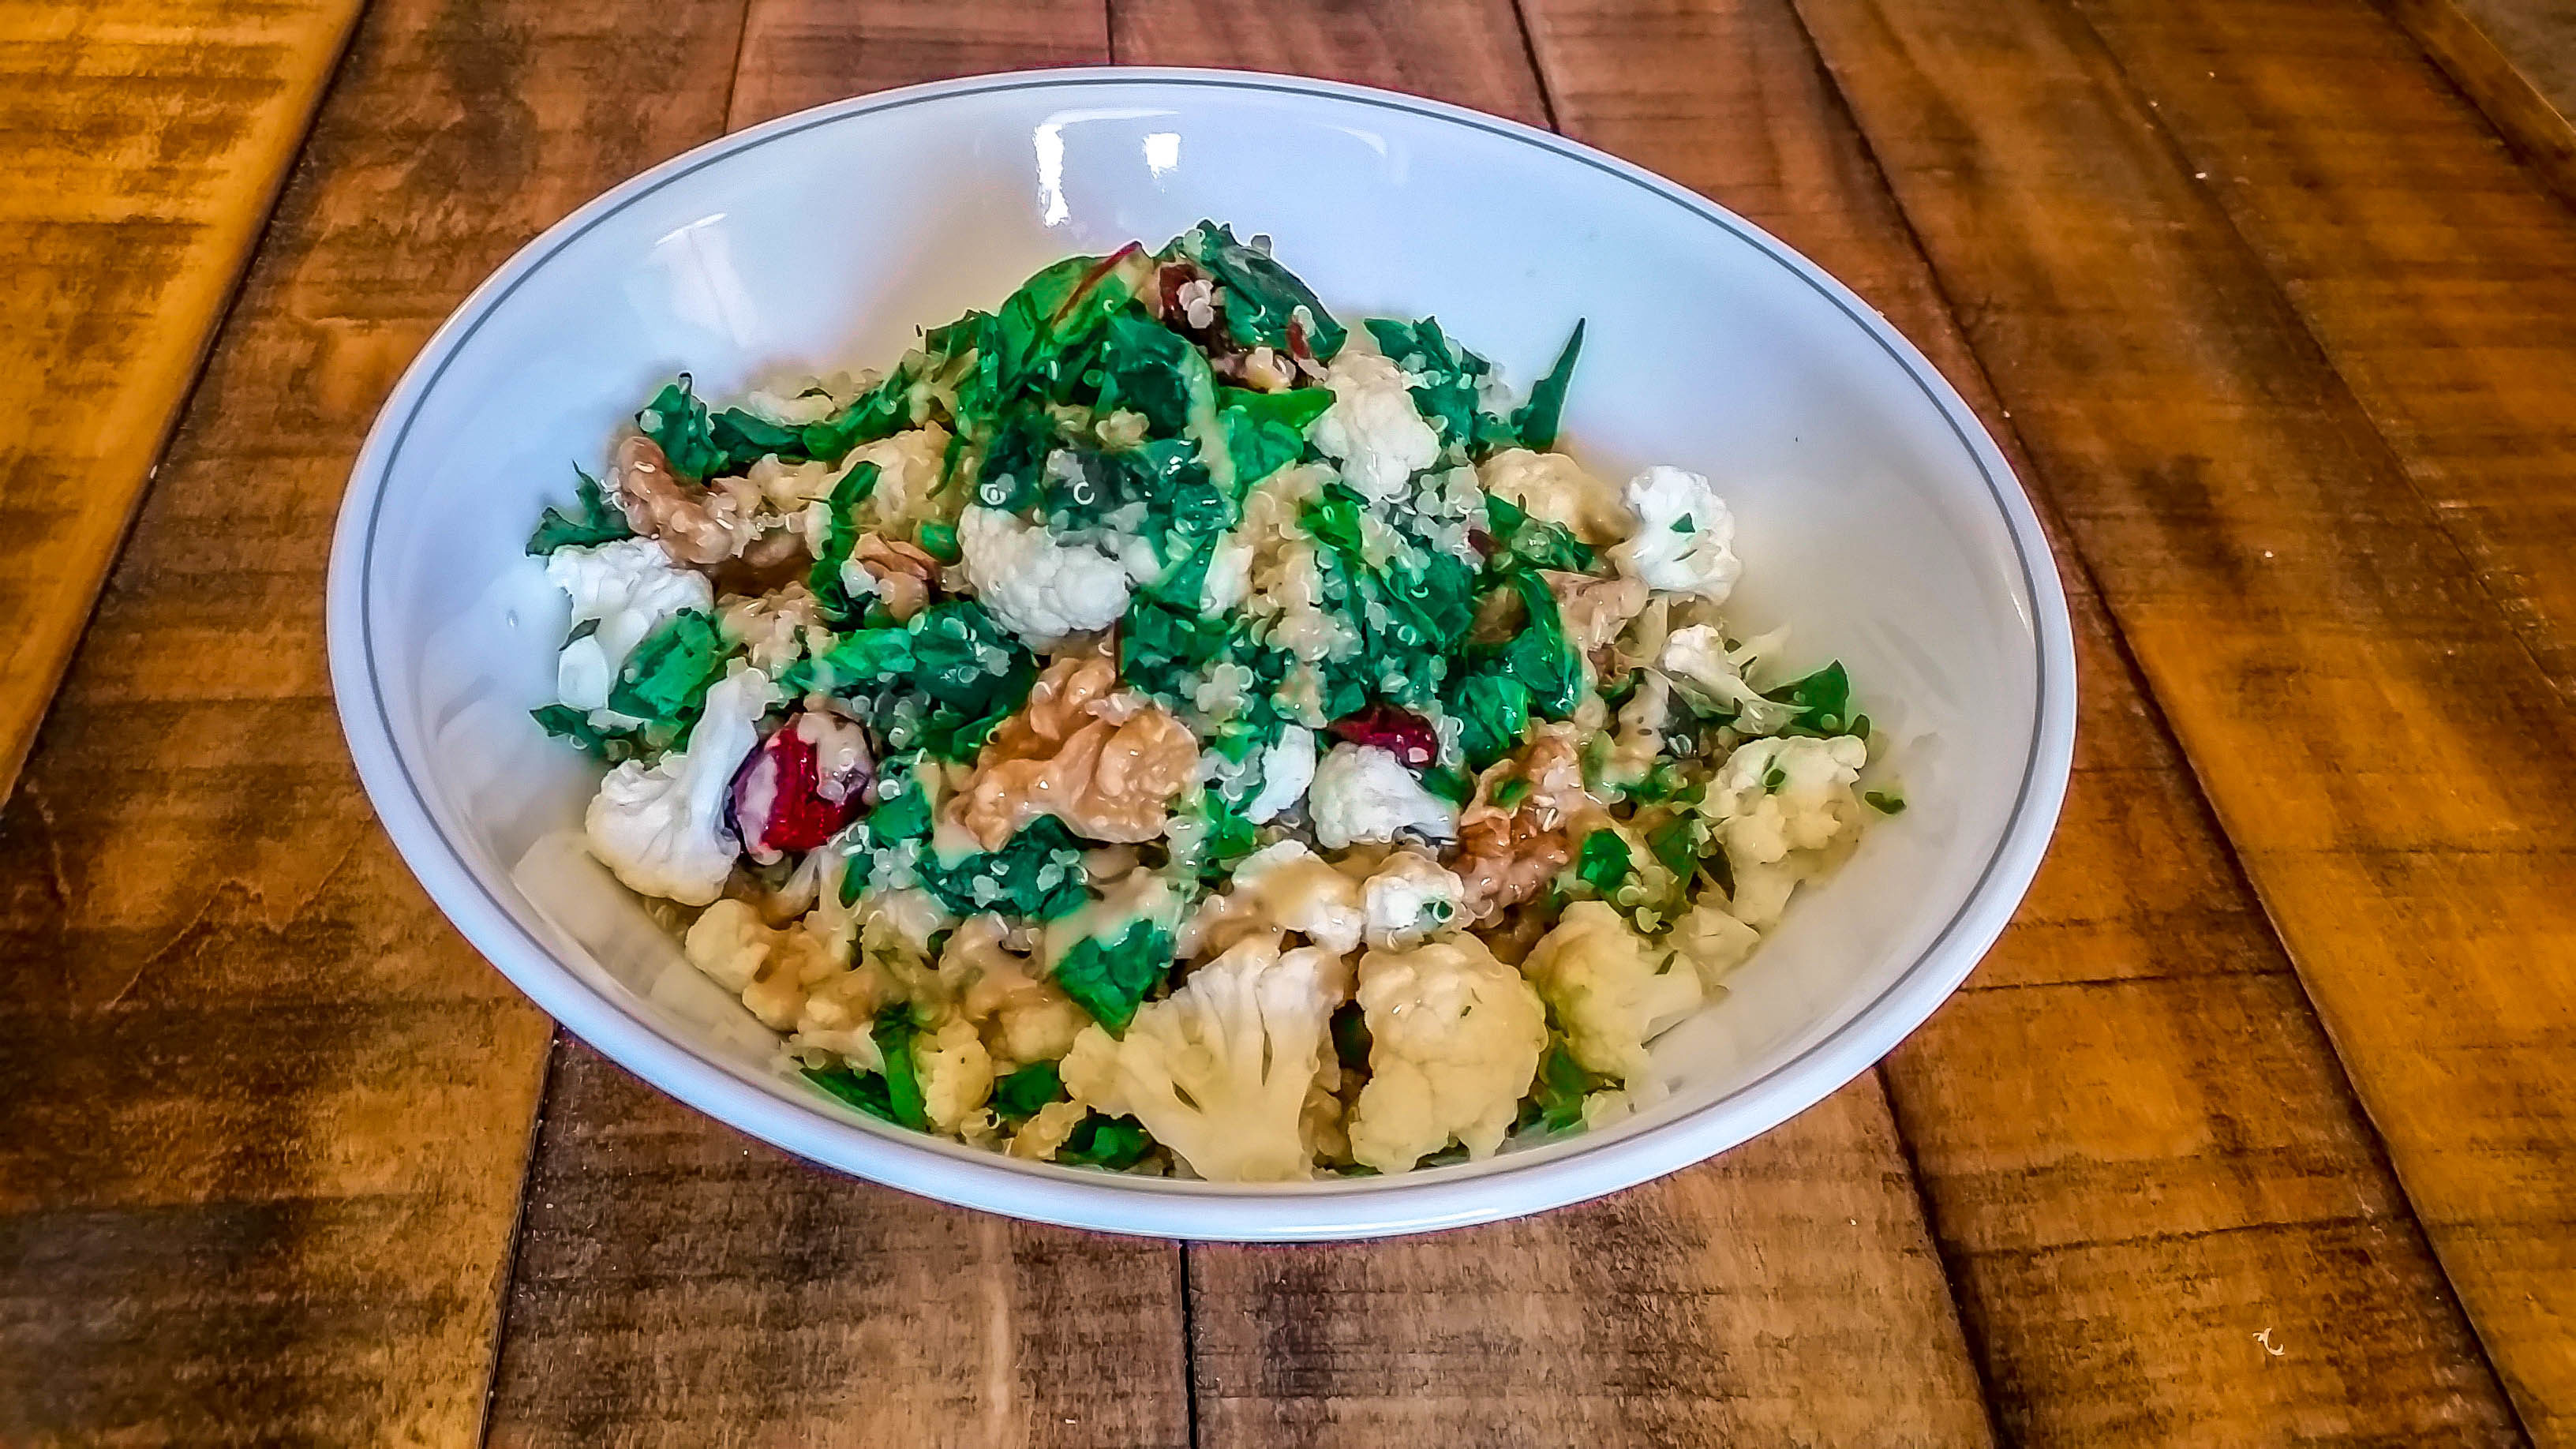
<point x="1874" y="513"/>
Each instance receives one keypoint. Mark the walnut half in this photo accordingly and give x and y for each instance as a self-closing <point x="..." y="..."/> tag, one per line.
<point x="1105" y="764"/>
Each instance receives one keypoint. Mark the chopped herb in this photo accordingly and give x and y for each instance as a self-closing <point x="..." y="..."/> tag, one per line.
<point x="1773" y="779"/>
<point x="1677" y="843"/>
<point x="1555" y="1101"/>
<point x="1884" y="802"/>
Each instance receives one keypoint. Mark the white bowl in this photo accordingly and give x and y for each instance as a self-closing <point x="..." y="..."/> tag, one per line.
<point x="1875" y="514"/>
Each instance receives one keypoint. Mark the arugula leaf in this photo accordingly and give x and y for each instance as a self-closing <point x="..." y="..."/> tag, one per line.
<point x="893" y="1033"/>
<point x="1037" y="873"/>
<point x="1603" y="861"/>
<point x="1017" y="1097"/>
<point x="1522" y="540"/>
<point x="1262" y="298"/>
<point x="1555" y="1101"/>
<point x="1494" y="708"/>
<point x="615" y="746"/>
<point x="596" y="521"/>
<point x="667" y="677"/>
<point x="863" y="1090"/>
<point x="1110" y="978"/>
<point x="1823" y="700"/>
<point x="1535" y="422"/>
<point x="1116" y="1143"/>
<point x="841" y="532"/>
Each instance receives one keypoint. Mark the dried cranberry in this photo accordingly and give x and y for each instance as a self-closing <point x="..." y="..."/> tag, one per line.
<point x="785" y="799"/>
<point x="1400" y="732"/>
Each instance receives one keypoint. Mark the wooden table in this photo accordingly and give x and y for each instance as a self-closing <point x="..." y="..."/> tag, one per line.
<point x="2258" y="1128"/>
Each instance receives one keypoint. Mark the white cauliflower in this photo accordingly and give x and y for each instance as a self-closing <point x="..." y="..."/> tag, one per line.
<point x="1287" y="768"/>
<point x="663" y="830"/>
<point x="1454" y="1039"/>
<point x="1684" y="543"/>
<point x="1697" y="656"/>
<point x="1612" y="992"/>
<point x="627" y="589"/>
<point x="1040" y="589"/>
<point x="773" y="971"/>
<point x="1556" y="488"/>
<point x="1410" y="896"/>
<point x="1290" y="887"/>
<point x="1776" y="801"/>
<point x="1372" y="429"/>
<point x="955" y="1073"/>
<point x="796" y="401"/>
<point x="1712" y="941"/>
<point x="1219" y="1070"/>
<point x="1362" y="792"/>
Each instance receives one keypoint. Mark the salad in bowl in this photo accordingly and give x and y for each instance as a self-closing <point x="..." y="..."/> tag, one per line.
<point x="1159" y="726"/>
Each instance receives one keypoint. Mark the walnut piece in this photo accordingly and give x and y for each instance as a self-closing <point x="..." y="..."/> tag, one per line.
<point x="1506" y="853"/>
<point x="699" y="526"/>
<point x="905" y="575"/>
<point x="1101" y="762"/>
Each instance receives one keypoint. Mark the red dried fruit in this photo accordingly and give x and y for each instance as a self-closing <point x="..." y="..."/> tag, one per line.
<point x="1400" y="732"/>
<point x="787" y="798"/>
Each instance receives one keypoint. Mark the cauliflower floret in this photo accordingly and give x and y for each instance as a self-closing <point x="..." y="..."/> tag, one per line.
<point x="1025" y="1016"/>
<point x="1372" y="429"/>
<point x="627" y="588"/>
<point x="1362" y="792"/>
<point x="1219" y="1070"/>
<point x="663" y="830"/>
<point x="1287" y="768"/>
<point x="1040" y="589"/>
<point x="1713" y="942"/>
<point x="1684" y="543"/>
<point x="1556" y="488"/>
<point x="1698" y="657"/>
<point x="1612" y="992"/>
<point x="773" y="971"/>
<point x="1454" y="1039"/>
<point x="1041" y="1137"/>
<point x="1409" y="897"/>
<point x="955" y="1072"/>
<point x="1290" y="887"/>
<point x="797" y="401"/>
<point x="1776" y="801"/>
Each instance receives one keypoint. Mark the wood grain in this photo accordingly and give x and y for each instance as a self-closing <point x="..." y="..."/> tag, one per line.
<point x="267" y="1114"/>
<point x="2375" y="736"/>
<point x="2487" y="60"/>
<point x="1786" y="1293"/>
<point x="2433" y="269"/>
<point x="2130" y="1108"/>
<point x="680" y="1284"/>
<point x="146" y="140"/>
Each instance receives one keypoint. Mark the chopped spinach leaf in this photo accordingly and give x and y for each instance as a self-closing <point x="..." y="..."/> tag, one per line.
<point x="1603" y="861"/>
<point x="1535" y="423"/>
<point x="1555" y="1100"/>
<point x="1351" y="1041"/>
<point x="893" y="1034"/>
<point x="863" y="1090"/>
<point x="678" y="424"/>
<point x="667" y="677"/>
<point x="1116" y="1143"/>
<point x="595" y="520"/>
<point x="1823" y="700"/>
<point x="1520" y="539"/>
<point x="1037" y="873"/>
<point x="1109" y="979"/>
<point x="1017" y="1097"/>
<point x="1263" y="299"/>
<point x="841" y="532"/>
<point x="615" y="746"/>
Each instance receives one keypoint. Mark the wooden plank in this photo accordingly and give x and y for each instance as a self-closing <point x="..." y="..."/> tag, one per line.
<point x="680" y="1284"/>
<point x="2432" y="268"/>
<point x="2375" y="736"/>
<point x="146" y="140"/>
<point x="2491" y="55"/>
<point x="2129" y="1128"/>
<point x="267" y="1114"/>
<point x="1785" y="1293"/>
